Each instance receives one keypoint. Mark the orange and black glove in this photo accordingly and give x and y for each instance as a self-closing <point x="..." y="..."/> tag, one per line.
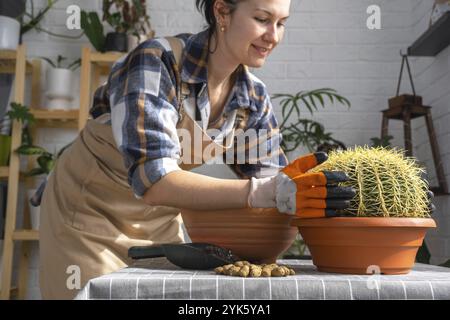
<point x="299" y="192"/>
<point x="311" y="195"/>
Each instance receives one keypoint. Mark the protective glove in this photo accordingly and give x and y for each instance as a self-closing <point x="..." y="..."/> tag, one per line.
<point x="307" y="195"/>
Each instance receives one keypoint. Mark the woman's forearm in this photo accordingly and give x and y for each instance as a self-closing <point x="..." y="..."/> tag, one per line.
<point x="184" y="189"/>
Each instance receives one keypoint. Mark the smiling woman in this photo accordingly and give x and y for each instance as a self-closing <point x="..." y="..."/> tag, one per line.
<point x="122" y="181"/>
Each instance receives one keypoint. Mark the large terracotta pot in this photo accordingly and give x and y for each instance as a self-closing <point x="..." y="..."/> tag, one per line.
<point x="256" y="235"/>
<point x="364" y="245"/>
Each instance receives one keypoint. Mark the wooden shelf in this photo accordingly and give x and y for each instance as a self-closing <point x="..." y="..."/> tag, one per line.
<point x="105" y="59"/>
<point x="15" y="62"/>
<point x="434" y="40"/>
<point x="56" y="118"/>
<point x="4" y="172"/>
<point x="28" y="235"/>
<point x="8" y="62"/>
<point x="61" y="114"/>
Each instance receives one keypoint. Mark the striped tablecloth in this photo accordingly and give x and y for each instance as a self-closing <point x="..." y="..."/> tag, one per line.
<point x="159" y="279"/>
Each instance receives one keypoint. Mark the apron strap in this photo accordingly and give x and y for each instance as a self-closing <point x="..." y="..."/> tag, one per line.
<point x="184" y="91"/>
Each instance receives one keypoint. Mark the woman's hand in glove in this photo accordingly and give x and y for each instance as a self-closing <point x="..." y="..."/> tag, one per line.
<point x="295" y="191"/>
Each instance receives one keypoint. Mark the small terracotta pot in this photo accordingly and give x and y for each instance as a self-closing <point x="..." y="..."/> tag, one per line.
<point x="256" y="235"/>
<point x="364" y="245"/>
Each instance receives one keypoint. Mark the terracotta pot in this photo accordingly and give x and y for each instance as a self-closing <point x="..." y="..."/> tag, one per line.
<point x="256" y="235"/>
<point x="364" y="245"/>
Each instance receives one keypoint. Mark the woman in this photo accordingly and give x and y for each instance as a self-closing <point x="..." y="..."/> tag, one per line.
<point x="120" y="183"/>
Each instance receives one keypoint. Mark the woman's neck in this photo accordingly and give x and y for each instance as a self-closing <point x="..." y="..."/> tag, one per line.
<point x="220" y="65"/>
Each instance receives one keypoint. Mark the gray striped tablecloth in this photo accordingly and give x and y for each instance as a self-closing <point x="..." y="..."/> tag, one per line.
<point x="159" y="279"/>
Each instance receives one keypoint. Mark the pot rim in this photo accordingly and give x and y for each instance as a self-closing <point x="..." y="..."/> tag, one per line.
<point x="10" y="19"/>
<point x="358" y="222"/>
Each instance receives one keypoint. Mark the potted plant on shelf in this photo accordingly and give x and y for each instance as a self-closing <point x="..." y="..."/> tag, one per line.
<point x="298" y="131"/>
<point x="45" y="160"/>
<point x="19" y="21"/>
<point x="20" y="113"/>
<point x="135" y="15"/>
<point x="117" y="40"/>
<point x="59" y="82"/>
<point x="386" y="222"/>
<point x="129" y="20"/>
<point x="9" y="33"/>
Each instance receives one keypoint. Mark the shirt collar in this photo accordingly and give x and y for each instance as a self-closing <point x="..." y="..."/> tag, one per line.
<point x="194" y="71"/>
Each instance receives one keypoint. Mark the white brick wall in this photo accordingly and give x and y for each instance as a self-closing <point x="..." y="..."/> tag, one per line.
<point x="327" y="44"/>
<point x="432" y="78"/>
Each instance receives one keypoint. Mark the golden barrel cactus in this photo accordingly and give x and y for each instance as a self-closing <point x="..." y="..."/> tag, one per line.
<point x="387" y="183"/>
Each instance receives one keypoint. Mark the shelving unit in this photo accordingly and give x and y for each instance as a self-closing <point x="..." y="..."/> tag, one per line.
<point x="434" y="40"/>
<point x="13" y="61"/>
<point x="93" y="66"/>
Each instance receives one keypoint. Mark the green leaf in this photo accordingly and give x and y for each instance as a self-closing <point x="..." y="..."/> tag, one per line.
<point x="319" y="97"/>
<point x="74" y="65"/>
<point x="307" y="104"/>
<point x="20" y="113"/>
<point x="49" y="61"/>
<point x="31" y="150"/>
<point x="59" y="60"/>
<point x="93" y="28"/>
<point x="46" y="162"/>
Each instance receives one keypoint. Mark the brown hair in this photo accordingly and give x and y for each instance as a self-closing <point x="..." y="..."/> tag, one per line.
<point x="206" y="7"/>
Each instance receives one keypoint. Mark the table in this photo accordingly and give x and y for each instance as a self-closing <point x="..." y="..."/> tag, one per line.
<point x="159" y="279"/>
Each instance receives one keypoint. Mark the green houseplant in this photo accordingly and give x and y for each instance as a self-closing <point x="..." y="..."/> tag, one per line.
<point x="386" y="221"/>
<point x="93" y="29"/>
<point x="299" y="131"/>
<point x="114" y="12"/>
<point x="128" y="19"/>
<point x="20" y="113"/>
<point x="14" y="26"/>
<point x="140" y="29"/>
<point x="45" y="160"/>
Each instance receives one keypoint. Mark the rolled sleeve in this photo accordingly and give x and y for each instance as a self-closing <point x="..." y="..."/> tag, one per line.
<point x="148" y="173"/>
<point x="144" y="117"/>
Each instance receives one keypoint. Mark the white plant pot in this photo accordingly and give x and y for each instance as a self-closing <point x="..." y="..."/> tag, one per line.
<point x="34" y="211"/>
<point x="9" y="33"/>
<point x="133" y="41"/>
<point x="59" y="88"/>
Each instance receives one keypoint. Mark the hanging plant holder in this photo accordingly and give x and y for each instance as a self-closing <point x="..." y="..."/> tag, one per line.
<point x="406" y="107"/>
<point x="405" y="99"/>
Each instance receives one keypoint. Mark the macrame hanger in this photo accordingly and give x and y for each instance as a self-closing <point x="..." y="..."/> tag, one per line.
<point x="405" y="59"/>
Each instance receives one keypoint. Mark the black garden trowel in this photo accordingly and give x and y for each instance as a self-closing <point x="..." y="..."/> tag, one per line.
<point x="198" y="256"/>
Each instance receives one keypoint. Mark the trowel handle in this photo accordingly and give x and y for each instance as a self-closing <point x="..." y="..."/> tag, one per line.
<point x="144" y="252"/>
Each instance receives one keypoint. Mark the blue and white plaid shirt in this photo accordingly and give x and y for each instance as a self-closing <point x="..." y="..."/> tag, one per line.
<point x="141" y="98"/>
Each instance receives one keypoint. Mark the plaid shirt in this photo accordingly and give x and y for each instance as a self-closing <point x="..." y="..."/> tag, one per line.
<point x="140" y="97"/>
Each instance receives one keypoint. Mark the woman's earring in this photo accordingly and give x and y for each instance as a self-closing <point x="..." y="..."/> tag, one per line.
<point x="222" y="28"/>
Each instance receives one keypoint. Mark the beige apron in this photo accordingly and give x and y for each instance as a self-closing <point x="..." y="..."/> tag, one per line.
<point x="90" y="216"/>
